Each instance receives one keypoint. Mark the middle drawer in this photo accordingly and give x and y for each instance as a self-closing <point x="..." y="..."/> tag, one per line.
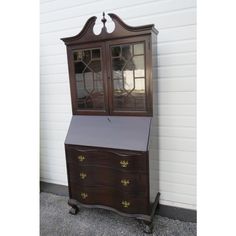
<point x="101" y="176"/>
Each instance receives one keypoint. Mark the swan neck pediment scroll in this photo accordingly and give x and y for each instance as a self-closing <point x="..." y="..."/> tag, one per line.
<point x="121" y="30"/>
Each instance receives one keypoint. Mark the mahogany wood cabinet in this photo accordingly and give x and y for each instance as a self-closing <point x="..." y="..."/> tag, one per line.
<point x="107" y="145"/>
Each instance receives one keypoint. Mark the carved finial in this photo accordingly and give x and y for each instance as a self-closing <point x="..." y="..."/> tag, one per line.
<point x="104" y="20"/>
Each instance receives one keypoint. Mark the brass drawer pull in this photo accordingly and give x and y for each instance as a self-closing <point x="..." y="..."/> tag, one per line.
<point x="124" y="163"/>
<point x="84" y="195"/>
<point x="82" y="175"/>
<point x="125" y="204"/>
<point x="81" y="158"/>
<point x="125" y="182"/>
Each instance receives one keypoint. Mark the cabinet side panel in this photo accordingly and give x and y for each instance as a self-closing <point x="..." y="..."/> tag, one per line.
<point x="67" y="154"/>
<point x="153" y="157"/>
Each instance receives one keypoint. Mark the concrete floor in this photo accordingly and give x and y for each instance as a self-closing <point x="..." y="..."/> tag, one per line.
<point x="55" y="221"/>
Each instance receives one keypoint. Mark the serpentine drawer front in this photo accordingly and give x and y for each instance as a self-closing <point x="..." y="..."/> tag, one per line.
<point x="114" y="178"/>
<point x="110" y="197"/>
<point x="117" y="159"/>
<point x="101" y="176"/>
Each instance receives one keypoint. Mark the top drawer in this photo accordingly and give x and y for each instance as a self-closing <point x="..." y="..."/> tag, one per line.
<point x="111" y="158"/>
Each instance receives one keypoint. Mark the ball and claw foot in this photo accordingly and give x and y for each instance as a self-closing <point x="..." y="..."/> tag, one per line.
<point x="74" y="210"/>
<point x="147" y="227"/>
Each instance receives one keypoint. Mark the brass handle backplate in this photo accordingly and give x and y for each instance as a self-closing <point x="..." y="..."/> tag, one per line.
<point x="125" y="182"/>
<point x="82" y="175"/>
<point x="84" y="195"/>
<point x="125" y="204"/>
<point x="124" y="163"/>
<point x="81" y="158"/>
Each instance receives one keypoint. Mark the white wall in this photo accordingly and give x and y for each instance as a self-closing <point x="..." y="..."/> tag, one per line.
<point x="175" y="106"/>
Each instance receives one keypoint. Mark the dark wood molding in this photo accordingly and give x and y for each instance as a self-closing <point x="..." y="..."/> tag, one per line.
<point x="87" y="27"/>
<point x="137" y="216"/>
<point x="163" y="210"/>
<point x="121" y="30"/>
<point x="117" y="20"/>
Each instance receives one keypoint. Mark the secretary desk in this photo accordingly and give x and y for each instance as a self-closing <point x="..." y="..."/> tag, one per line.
<point x="107" y="144"/>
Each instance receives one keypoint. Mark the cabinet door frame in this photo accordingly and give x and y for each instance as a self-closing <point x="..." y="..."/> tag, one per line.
<point x="106" y="65"/>
<point x="148" y="74"/>
<point x="73" y="88"/>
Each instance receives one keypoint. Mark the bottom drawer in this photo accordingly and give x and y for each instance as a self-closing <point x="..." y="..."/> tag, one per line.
<point x="106" y="196"/>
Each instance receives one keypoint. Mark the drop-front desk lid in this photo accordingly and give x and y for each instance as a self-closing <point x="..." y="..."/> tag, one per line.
<point x="119" y="132"/>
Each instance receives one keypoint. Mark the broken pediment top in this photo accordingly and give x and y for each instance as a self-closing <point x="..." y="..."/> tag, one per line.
<point x="121" y="30"/>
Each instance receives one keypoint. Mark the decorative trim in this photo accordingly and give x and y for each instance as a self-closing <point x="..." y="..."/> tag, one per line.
<point x="132" y="28"/>
<point x="122" y="30"/>
<point x="137" y="216"/>
<point x="88" y="25"/>
<point x="162" y="210"/>
<point x="108" y="150"/>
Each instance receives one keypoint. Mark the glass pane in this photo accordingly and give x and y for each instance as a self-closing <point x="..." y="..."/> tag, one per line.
<point x="140" y="102"/>
<point x="128" y="76"/>
<point x="78" y="55"/>
<point x="98" y="76"/>
<point x="118" y="85"/>
<point x="140" y="84"/>
<point x="116" y="51"/>
<point x="95" y="66"/>
<point x="128" y="79"/>
<point x="75" y="55"/>
<point x="79" y="67"/>
<point x="89" y="81"/>
<point x="98" y="84"/>
<point x="79" y="77"/>
<point x="138" y="49"/>
<point x="86" y="56"/>
<point x="95" y="53"/>
<point x="139" y="66"/>
<point x="118" y="64"/>
<point x="117" y="74"/>
<point x="126" y="51"/>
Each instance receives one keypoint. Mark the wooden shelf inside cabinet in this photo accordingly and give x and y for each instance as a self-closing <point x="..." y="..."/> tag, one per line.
<point x="107" y="145"/>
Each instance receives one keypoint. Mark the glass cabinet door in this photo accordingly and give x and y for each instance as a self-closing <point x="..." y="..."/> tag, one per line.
<point x="128" y="77"/>
<point x="89" y="80"/>
<point x="110" y="79"/>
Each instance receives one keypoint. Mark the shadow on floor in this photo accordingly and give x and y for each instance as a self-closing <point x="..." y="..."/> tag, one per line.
<point x="56" y="221"/>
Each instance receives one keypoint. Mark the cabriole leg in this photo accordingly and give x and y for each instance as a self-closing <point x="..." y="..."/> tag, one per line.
<point x="74" y="208"/>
